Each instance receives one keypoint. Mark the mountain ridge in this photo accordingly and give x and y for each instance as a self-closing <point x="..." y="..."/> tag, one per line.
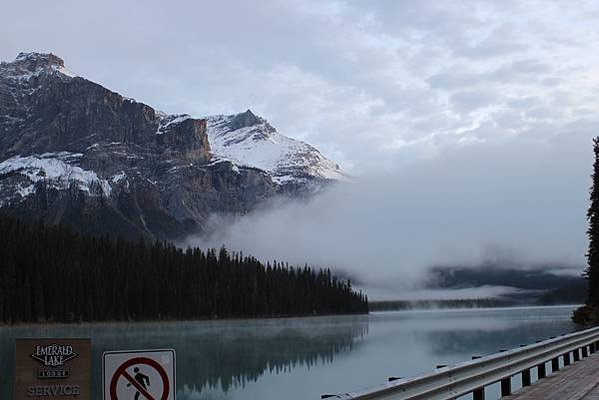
<point x="74" y="151"/>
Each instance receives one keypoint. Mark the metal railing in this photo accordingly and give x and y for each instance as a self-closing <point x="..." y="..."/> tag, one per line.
<point x="450" y="382"/>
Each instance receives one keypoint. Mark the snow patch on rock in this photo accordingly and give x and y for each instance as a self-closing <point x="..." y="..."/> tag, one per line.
<point x="118" y="177"/>
<point x="56" y="171"/>
<point x="167" y="120"/>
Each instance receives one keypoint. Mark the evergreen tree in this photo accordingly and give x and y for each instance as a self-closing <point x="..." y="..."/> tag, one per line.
<point x="592" y="270"/>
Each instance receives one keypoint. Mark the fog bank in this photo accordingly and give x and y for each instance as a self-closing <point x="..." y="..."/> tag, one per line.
<point x="521" y="200"/>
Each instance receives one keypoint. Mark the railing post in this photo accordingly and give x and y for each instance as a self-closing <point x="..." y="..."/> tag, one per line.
<point x="526" y="378"/>
<point x="576" y="354"/>
<point x="585" y="352"/>
<point x="592" y="348"/>
<point x="542" y="371"/>
<point x="478" y="394"/>
<point x="555" y="364"/>
<point x="567" y="359"/>
<point x="506" y="387"/>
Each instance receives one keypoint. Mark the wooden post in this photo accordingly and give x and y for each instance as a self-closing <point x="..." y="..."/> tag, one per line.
<point x="478" y="394"/>
<point x="506" y="387"/>
<point x="576" y="354"/>
<point x="542" y="371"/>
<point x="526" y="378"/>
<point x="555" y="364"/>
<point x="567" y="359"/>
<point x="585" y="352"/>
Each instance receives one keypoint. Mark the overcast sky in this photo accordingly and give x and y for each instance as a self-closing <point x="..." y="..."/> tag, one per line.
<point x="498" y="100"/>
<point x="373" y="84"/>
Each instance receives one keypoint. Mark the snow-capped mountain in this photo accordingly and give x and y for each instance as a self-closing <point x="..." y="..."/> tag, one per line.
<point x="73" y="151"/>
<point x="248" y="140"/>
<point x="29" y="65"/>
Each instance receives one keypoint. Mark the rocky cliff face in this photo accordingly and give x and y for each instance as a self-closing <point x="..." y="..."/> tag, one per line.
<point x="73" y="151"/>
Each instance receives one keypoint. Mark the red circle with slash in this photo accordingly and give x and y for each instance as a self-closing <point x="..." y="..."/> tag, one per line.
<point x="122" y="371"/>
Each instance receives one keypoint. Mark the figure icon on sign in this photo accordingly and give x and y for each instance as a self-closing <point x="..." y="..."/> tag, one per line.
<point x="141" y="379"/>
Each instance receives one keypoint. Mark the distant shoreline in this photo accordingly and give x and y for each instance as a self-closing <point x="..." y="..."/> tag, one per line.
<point x="519" y="307"/>
<point x="171" y="321"/>
<point x="448" y="304"/>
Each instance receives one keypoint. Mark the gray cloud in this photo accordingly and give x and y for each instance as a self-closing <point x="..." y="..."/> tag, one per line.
<point x="469" y="100"/>
<point x="502" y="41"/>
<point x="532" y="66"/>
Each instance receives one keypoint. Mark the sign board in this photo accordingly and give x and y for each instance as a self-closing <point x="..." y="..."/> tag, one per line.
<point x="139" y="375"/>
<point x="52" y="369"/>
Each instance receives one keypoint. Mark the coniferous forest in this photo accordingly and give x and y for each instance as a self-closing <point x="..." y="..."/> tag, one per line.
<point x="51" y="273"/>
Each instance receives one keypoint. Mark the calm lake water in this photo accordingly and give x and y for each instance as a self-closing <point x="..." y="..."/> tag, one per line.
<point x="302" y="358"/>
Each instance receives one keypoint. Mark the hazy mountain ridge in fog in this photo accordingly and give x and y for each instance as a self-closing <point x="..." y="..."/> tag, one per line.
<point x="540" y="284"/>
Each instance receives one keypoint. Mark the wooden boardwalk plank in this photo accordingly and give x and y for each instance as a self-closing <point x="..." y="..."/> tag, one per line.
<point x="578" y="381"/>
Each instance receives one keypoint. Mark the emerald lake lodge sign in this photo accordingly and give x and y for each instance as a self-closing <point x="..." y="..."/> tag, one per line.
<point x="52" y="369"/>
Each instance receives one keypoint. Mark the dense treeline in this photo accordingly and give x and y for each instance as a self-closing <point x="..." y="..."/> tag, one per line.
<point x="50" y="273"/>
<point x="393" y="305"/>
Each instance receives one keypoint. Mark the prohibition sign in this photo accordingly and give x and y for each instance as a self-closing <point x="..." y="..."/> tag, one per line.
<point x="122" y="371"/>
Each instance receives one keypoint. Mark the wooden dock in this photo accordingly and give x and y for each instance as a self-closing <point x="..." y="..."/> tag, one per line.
<point x="578" y="381"/>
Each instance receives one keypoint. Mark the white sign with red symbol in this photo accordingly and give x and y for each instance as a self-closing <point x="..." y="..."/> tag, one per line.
<point x="139" y="375"/>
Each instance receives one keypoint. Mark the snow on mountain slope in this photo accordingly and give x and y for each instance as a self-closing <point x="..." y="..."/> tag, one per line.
<point x="248" y="140"/>
<point x="56" y="170"/>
